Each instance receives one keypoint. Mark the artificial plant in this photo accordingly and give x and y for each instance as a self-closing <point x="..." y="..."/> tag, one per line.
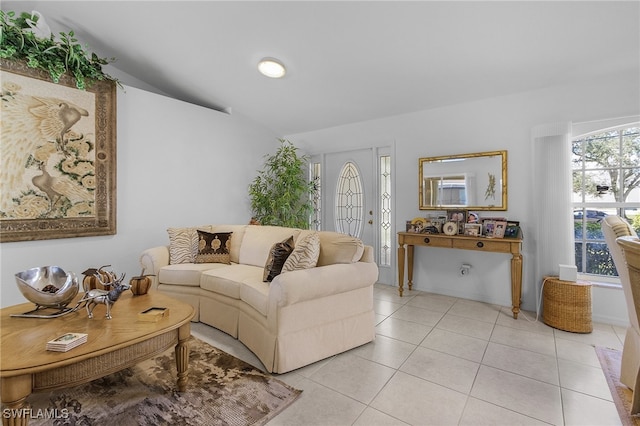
<point x="19" y="42"/>
<point x="281" y="194"/>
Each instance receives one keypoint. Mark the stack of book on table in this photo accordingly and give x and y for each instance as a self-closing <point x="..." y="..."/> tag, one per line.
<point x="66" y="342"/>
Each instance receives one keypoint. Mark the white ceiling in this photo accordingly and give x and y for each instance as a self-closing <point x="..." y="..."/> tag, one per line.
<point x="350" y="61"/>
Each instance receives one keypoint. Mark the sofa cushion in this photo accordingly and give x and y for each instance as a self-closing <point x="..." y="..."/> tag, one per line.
<point x="183" y="244"/>
<point x="305" y="254"/>
<point x="255" y="293"/>
<point x="213" y="247"/>
<point x="257" y="242"/>
<point x="339" y="248"/>
<point x="227" y="279"/>
<point x="186" y="274"/>
<point x="277" y="257"/>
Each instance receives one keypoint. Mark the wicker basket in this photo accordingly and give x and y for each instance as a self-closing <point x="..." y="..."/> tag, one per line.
<point x="567" y="305"/>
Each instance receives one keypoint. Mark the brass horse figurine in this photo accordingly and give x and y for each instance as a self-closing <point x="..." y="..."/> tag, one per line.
<point x="105" y="297"/>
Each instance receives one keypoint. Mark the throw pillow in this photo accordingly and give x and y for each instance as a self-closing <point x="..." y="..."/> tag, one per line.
<point x="214" y="247"/>
<point x="278" y="254"/>
<point x="183" y="244"/>
<point x="305" y="254"/>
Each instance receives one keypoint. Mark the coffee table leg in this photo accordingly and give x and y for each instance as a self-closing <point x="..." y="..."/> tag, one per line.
<point x="182" y="356"/>
<point x="15" y="390"/>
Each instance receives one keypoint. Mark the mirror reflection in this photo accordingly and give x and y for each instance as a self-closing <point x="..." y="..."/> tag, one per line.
<point x="472" y="181"/>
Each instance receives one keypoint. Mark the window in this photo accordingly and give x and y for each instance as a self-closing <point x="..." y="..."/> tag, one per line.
<point x="606" y="181"/>
<point x="385" y="210"/>
<point x="315" y="176"/>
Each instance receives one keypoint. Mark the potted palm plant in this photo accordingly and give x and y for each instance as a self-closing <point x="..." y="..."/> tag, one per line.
<point x="281" y="194"/>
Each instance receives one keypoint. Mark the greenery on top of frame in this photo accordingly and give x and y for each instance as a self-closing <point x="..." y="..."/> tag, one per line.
<point x="27" y="37"/>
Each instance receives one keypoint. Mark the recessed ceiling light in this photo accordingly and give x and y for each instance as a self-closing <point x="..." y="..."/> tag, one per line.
<point x="271" y="68"/>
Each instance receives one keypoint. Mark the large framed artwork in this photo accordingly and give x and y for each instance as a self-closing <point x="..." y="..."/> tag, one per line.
<point x="58" y="156"/>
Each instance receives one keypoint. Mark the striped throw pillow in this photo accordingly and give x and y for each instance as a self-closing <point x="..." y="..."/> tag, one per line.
<point x="183" y="245"/>
<point x="305" y="254"/>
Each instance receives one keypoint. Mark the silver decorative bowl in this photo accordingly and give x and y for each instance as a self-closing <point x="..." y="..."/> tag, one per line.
<point x="48" y="286"/>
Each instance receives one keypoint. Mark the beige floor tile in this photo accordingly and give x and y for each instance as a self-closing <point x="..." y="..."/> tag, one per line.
<point x="600" y="336"/>
<point x="584" y="379"/>
<point x="406" y="331"/>
<point x="585" y="410"/>
<point x="520" y="361"/>
<point x="481" y="413"/>
<point x="467" y="326"/>
<point x="526" y="321"/>
<point x="373" y="417"/>
<point x="355" y="377"/>
<point x="386" y="351"/>
<point x="469" y="348"/>
<point x="434" y="302"/>
<point x="378" y="318"/>
<point x="446" y="370"/>
<point x="531" y="341"/>
<point x="385" y="307"/>
<point x="419" y="402"/>
<point x="475" y="310"/>
<point x="577" y="352"/>
<point x="308" y="370"/>
<point x="520" y="394"/>
<point x="318" y="405"/>
<point x="419" y="315"/>
<point x="390" y="294"/>
<point x="426" y="346"/>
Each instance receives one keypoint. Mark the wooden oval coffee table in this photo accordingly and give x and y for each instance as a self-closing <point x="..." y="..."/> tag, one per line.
<point x="112" y="345"/>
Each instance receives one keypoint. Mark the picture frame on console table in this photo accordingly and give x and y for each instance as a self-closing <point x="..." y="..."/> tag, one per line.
<point x="58" y="162"/>
<point x="459" y="217"/>
<point x="473" y="229"/>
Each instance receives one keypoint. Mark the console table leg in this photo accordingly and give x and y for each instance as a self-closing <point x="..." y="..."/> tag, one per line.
<point x="410" y="249"/>
<point x="15" y="391"/>
<point x="182" y="356"/>
<point x="516" y="284"/>
<point x="400" y="268"/>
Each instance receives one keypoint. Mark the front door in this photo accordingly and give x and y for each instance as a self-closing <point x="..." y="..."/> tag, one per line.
<point x="348" y="194"/>
<point x="356" y="198"/>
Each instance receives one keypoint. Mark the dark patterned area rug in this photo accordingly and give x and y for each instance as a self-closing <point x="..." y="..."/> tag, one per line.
<point x="222" y="390"/>
<point x="610" y="361"/>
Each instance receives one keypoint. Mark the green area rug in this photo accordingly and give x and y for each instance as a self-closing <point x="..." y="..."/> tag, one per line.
<point x="222" y="390"/>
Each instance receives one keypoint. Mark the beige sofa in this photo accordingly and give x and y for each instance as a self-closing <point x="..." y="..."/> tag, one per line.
<point x="300" y="317"/>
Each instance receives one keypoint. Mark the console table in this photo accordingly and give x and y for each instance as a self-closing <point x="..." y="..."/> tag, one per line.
<point x="493" y="245"/>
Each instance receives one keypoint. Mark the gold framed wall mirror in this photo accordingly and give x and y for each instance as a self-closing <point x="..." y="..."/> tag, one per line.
<point x="475" y="181"/>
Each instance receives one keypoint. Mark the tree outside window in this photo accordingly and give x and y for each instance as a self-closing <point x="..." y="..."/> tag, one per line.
<point x="606" y="180"/>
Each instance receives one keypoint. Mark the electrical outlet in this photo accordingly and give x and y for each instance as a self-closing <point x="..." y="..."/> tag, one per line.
<point x="465" y="269"/>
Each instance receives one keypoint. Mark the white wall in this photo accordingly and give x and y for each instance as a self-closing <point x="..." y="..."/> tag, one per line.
<point x="178" y="165"/>
<point x="488" y="125"/>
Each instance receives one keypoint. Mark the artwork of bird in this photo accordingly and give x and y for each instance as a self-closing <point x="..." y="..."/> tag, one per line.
<point x="31" y="123"/>
<point x="57" y="187"/>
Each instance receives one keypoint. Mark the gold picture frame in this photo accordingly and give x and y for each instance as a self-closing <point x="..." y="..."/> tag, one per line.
<point x="58" y="158"/>
<point x="476" y="181"/>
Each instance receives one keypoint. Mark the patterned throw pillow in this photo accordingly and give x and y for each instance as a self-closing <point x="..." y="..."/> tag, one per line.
<point x="305" y="254"/>
<point x="213" y="247"/>
<point x="277" y="256"/>
<point x="183" y="245"/>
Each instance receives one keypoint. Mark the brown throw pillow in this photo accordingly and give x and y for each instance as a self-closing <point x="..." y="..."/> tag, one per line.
<point x="278" y="254"/>
<point x="213" y="247"/>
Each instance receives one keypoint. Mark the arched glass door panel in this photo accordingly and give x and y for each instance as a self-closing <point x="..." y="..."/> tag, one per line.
<point x="349" y="205"/>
